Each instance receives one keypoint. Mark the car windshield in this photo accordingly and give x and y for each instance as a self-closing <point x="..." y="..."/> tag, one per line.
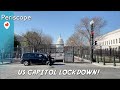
<point x="45" y="55"/>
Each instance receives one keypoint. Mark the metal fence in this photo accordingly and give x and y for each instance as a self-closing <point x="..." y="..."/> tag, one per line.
<point x="67" y="53"/>
<point x="57" y="51"/>
<point x="70" y="52"/>
<point x="107" y="55"/>
<point x="82" y="52"/>
<point x="100" y="54"/>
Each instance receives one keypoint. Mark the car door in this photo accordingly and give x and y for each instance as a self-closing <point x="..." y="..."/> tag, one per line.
<point x="39" y="58"/>
<point x="32" y="58"/>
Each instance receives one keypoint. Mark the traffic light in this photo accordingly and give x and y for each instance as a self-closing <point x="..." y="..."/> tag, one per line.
<point x="95" y="42"/>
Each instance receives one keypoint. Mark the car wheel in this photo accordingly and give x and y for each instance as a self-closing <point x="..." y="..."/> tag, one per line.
<point x="26" y="63"/>
<point x="47" y="62"/>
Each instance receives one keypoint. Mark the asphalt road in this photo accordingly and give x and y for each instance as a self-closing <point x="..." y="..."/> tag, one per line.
<point x="58" y="71"/>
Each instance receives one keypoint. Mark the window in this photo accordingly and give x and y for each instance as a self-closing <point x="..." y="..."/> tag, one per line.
<point x="32" y="55"/>
<point x="25" y="55"/>
<point x="119" y="40"/>
<point x="111" y="41"/>
<point x="40" y="56"/>
<point x="116" y="41"/>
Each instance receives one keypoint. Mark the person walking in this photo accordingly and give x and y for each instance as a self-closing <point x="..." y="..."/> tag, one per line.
<point x="50" y="58"/>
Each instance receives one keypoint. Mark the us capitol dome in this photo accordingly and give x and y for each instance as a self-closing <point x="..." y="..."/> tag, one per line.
<point x="60" y="44"/>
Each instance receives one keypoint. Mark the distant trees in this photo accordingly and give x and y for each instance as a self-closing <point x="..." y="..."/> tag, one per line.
<point x="33" y="38"/>
<point x="75" y="39"/>
<point x="47" y="39"/>
<point x="82" y="32"/>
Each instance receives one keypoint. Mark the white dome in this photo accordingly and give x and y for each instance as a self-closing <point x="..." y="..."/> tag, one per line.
<point x="60" y="45"/>
<point x="60" y="40"/>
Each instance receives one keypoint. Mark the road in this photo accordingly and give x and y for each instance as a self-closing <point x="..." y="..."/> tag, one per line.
<point x="57" y="71"/>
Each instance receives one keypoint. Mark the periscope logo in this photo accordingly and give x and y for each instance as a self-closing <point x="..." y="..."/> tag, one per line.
<point x="6" y="25"/>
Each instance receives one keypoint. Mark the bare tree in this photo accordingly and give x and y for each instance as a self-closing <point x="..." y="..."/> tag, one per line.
<point x="46" y="39"/>
<point x="78" y="41"/>
<point x="75" y="40"/>
<point x="84" y="27"/>
<point x="36" y="39"/>
<point x="81" y="36"/>
<point x="33" y="39"/>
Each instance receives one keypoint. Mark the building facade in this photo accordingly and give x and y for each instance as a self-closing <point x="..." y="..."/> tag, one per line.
<point x="109" y="40"/>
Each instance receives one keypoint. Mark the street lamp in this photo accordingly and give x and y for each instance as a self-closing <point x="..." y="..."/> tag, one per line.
<point x="91" y="40"/>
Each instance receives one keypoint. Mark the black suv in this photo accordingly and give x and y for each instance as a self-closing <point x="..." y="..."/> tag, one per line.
<point x="34" y="58"/>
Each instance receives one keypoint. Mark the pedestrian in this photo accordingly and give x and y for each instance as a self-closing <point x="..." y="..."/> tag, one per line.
<point x="50" y="58"/>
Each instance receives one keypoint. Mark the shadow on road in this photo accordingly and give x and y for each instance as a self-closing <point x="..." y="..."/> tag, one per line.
<point x="58" y="64"/>
<point x="82" y="62"/>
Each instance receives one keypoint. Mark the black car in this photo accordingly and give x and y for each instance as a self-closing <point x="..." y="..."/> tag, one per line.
<point x="34" y="58"/>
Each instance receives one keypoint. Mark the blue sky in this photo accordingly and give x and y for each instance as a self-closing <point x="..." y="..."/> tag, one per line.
<point x="55" y="23"/>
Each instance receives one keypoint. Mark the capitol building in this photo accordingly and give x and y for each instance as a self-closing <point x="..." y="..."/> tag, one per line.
<point x="60" y="44"/>
<point x="109" y="40"/>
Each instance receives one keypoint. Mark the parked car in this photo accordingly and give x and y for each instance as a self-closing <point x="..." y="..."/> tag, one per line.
<point x="35" y="58"/>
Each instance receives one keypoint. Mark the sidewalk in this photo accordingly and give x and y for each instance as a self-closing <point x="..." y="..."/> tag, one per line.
<point x="100" y="64"/>
<point x="106" y="64"/>
<point x="5" y="61"/>
<point x="78" y="59"/>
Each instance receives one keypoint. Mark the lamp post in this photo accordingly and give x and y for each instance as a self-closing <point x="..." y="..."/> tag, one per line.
<point x="91" y="40"/>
